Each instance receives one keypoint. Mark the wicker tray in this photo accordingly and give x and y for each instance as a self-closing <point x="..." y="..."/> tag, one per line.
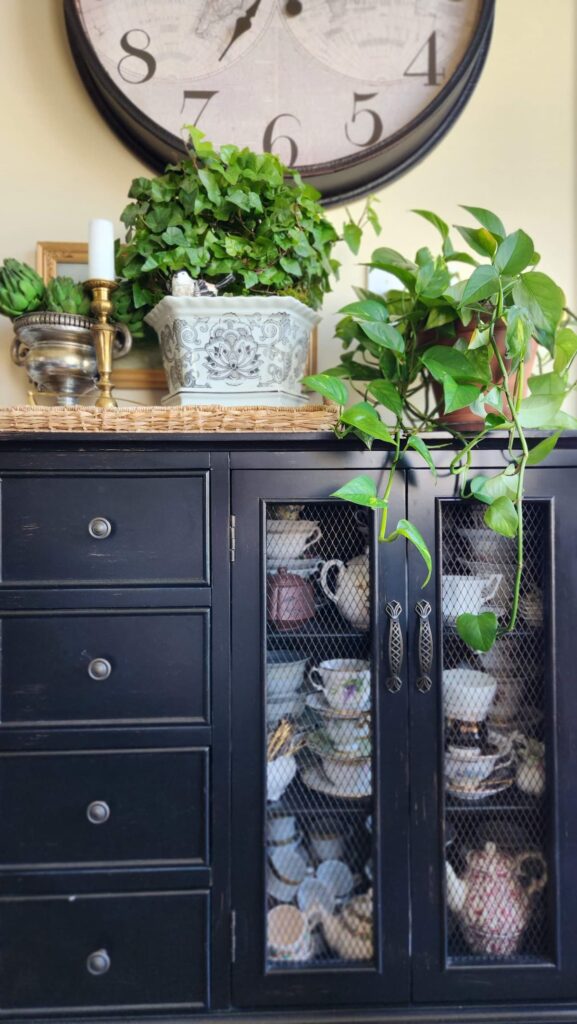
<point x="180" y="420"/>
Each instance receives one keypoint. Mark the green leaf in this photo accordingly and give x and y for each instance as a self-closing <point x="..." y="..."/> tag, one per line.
<point x="439" y="316"/>
<point x="519" y="332"/>
<point x="501" y="517"/>
<point x="543" y="449"/>
<point x="211" y="185"/>
<point x="385" y="335"/>
<point x="487" y="219"/>
<point x="291" y="266"/>
<point x="330" y="387"/>
<point x="396" y="264"/>
<point x="543" y="299"/>
<point x="483" y="282"/>
<point x="565" y="348"/>
<point x="406" y="529"/>
<point x="419" y="446"/>
<point x="386" y="394"/>
<point x="365" y="417"/>
<point x="458" y="396"/>
<point x="361" y="490"/>
<point x="515" y="252"/>
<point x="432" y="280"/>
<point x="461" y="257"/>
<point x="480" y="240"/>
<point x="488" y="488"/>
<point x="440" y="225"/>
<point x="353" y="235"/>
<point x="547" y="384"/>
<point x="539" y="410"/>
<point x="479" y="632"/>
<point x="445" y="361"/>
<point x="367" y="309"/>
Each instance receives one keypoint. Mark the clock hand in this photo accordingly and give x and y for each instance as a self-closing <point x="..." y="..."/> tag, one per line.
<point x="292" y="8"/>
<point x="243" y="24"/>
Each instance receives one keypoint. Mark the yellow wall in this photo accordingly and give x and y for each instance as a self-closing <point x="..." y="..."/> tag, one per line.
<point x="513" y="150"/>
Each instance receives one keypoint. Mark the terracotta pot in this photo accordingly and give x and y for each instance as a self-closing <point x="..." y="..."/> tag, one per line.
<point x="464" y="419"/>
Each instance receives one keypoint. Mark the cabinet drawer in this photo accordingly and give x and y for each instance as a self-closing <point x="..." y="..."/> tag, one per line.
<point x="101" y="808"/>
<point x="84" y="530"/>
<point x="105" y="667"/>
<point x="104" y="951"/>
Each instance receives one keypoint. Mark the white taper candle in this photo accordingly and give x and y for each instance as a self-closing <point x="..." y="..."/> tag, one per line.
<point x="101" y="250"/>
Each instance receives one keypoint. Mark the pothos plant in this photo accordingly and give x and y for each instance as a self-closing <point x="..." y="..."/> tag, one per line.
<point x="227" y="212"/>
<point x="440" y="343"/>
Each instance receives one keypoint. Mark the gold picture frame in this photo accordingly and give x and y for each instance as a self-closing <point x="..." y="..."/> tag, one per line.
<point x="53" y="258"/>
<point x="70" y="258"/>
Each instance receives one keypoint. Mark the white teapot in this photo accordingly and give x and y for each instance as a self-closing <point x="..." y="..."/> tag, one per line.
<point x="352" y="591"/>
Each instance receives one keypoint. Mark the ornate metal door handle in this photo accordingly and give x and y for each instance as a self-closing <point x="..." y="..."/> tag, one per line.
<point x="395" y="647"/>
<point x="425" y="645"/>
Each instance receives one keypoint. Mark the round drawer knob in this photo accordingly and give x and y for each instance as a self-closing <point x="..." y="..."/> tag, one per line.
<point x="99" y="528"/>
<point x="98" y="962"/>
<point x="98" y="812"/>
<point x="99" y="668"/>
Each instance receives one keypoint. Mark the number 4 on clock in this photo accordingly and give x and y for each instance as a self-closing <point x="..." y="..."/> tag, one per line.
<point x="431" y="74"/>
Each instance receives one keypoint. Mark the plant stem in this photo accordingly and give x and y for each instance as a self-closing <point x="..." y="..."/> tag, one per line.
<point x="390" y="481"/>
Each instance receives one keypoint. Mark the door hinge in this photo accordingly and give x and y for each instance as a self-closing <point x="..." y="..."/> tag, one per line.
<point x="233" y="936"/>
<point x="232" y="538"/>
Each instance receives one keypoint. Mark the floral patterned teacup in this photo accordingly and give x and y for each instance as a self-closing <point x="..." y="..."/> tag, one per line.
<point x="345" y="682"/>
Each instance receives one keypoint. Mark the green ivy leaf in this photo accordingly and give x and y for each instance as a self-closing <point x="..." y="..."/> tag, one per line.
<point x="327" y="386"/>
<point x="407" y="530"/>
<point x="519" y="332"/>
<point x="441" y="226"/>
<point x="353" y="235"/>
<point x="365" y="417"/>
<point x="385" y="335"/>
<point x="211" y="185"/>
<point x="539" y="410"/>
<point x="479" y="632"/>
<point x="458" y="396"/>
<point x="483" y="282"/>
<point x="386" y="394"/>
<point x="565" y="348"/>
<point x="480" y="240"/>
<point x="547" y="384"/>
<point x="515" y="252"/>
<point x="543" y="299"/>
<point x="396" y="264"/>
<point x="487" y="219"/>
<point x="501" y="517"/>
<point x="432" y="280"/>
<point x="543" y="449"/>
<point x="361" y="490"/>
<point x="445" y="361"/>
<point x="367" y="309"/>
<point x="419" y="446"/>
<point x="488" y="488"/>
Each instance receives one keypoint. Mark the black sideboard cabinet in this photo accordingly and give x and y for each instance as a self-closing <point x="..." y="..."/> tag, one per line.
<point x="190" y="828"/>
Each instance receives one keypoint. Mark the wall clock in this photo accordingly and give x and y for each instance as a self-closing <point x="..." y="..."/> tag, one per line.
<point x="352" y="92"/>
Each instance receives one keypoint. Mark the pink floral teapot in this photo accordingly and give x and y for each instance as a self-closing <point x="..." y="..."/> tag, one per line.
<point x="493" y="900"/>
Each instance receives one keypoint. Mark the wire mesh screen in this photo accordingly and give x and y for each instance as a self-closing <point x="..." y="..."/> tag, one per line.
<point x="319" y="859"/>
<point x="496" y="823"/>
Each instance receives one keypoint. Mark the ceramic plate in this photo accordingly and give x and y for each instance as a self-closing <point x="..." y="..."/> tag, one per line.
<point x="296" y="566"/>
<point x="321" y="743"/>
<point x="480" y="794"/>
<point x="314" y="779"/>
<point x="317" y="703"/>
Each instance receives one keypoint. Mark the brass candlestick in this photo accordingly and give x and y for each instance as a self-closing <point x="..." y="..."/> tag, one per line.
<point x="103" y="333"/>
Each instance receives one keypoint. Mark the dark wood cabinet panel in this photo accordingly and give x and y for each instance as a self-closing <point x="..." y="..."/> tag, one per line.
<point x="121" y="951"/>
<point x="105" y="808"/>
<point x="112" y="666"/>
<point x="80" y="530"/>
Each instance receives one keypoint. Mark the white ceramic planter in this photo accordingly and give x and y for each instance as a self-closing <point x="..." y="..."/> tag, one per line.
<point x="233" y="350"/>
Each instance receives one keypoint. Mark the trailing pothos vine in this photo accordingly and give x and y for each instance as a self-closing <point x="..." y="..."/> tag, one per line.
<point x="440" y="343"/>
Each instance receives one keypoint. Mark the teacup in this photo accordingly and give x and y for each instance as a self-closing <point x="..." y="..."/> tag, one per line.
<point x="336" y="876"/>
<point x="286" y="870"/>
<point x="285" y="672"/>
<point x="279" y="775"/>
<point x="462" y="765"/>
<point x="348" y="774"/>
<point x="468" y="593"/>
<point x="288" y="934"/>
<point x="468" y="694"/>
<point x="326" y="844"/>
<point x="312" y="891"/>
<point x="293" y="540"/>
<point x="348" y="733"/>
<point x="345" y="682"/>
<point x="282" y="827"/>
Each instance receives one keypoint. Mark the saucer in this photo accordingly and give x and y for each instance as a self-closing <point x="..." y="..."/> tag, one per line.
<point x="317" y="703"/>
<point x="320" y="743"/>
<point x="296" y="566"/>
<point x="480" y="793"/>
<point x="315" y="779"/>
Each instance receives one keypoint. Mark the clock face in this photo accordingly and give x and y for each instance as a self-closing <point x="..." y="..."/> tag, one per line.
<point x="325" y="84"/>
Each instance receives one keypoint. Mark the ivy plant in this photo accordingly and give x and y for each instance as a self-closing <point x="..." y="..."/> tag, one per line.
<point x="430" y="347"/>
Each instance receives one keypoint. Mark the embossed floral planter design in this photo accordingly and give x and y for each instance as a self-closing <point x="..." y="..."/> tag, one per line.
<point x="233" y="350"/>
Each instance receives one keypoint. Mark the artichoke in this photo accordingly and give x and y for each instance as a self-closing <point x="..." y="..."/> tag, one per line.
<point x="21" y="289"/>
<point x="63" y="295"/>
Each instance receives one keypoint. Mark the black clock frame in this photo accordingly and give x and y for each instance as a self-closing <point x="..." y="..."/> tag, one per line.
<point x="338" y="181"/>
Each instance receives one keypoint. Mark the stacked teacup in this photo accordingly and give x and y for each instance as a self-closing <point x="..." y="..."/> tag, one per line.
<point x="472" y="754"/>
<point x="343" y="706"/>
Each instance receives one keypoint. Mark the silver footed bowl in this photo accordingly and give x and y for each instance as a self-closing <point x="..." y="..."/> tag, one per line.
<point x="57" y="352"/>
